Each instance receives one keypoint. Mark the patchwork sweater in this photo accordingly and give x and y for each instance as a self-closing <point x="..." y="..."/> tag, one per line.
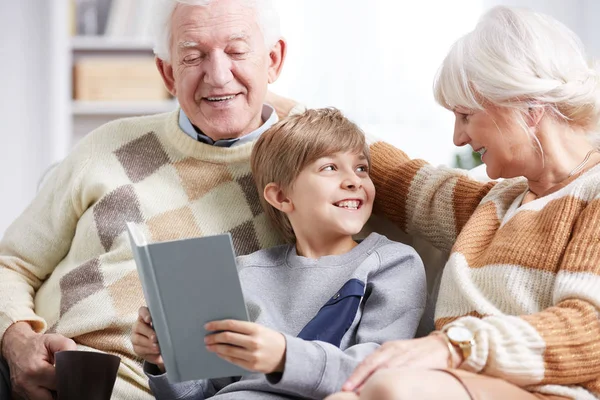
<point x="524" y="278"/>
<point x="65" y="263"/>
<point x="333" y="312"/>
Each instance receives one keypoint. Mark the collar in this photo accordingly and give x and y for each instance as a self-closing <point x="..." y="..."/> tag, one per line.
<point x="268" y="115"/>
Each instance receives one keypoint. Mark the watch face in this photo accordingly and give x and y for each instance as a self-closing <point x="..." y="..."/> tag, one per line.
<point x="459" y="334"/>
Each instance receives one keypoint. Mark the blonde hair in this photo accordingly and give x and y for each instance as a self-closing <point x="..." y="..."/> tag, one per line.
<point x="266" y="15"/>
<point x="520" y="60"/>
<point x="286" y="148"/>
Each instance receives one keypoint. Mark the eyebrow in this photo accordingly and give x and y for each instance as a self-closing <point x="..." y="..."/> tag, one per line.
<point x="187" y="44"/>
<point x="238" y="36"/>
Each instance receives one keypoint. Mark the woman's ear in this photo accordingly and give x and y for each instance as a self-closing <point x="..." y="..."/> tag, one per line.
<point x="275" y="196"/>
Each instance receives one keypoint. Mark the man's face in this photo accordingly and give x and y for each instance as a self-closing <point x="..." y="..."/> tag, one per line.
<point x="220" y="67"/>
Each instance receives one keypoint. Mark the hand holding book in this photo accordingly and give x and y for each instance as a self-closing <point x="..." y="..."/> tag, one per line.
<point x="248" y="345"/>
<point x="245" y="344"/>
<point x="143" y="338"/>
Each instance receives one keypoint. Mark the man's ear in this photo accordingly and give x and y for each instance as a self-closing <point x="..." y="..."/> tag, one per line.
<point x="534" y="115"/>
<point x="275" y="197"/>
<point x="276" y="59"/>
<point x="166" y="72"/>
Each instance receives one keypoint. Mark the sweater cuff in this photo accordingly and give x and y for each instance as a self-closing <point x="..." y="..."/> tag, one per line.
<point x="38" y="324"/>
<point x="163" y="389"/>
<point x="305" y="363"/>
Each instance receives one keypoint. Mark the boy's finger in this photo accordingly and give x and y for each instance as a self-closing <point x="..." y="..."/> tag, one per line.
<point x="237" y="361"/>
<point x="141" y="340"/>
<point x="145" y="351"/>
<point x="230" y="338"/>
<point x="146" y="330"/>
<point x="230" y="351"/>
<point x="144" y="315"/>
<point x="232" y="325"/>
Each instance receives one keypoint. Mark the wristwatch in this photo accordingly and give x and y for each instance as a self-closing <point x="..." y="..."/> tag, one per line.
<point x="460" y="336"/>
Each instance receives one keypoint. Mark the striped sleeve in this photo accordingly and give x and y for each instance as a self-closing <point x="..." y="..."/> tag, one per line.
<point x="561" y="344"/>
<point x="421" y="199"/>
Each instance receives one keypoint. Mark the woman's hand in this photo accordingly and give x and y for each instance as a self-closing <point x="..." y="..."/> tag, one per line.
<point x="248" y="345"/>
<point x="428" y="352"/>
<point x="143" y="338"/>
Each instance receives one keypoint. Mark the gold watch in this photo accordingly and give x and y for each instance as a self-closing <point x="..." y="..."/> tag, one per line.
<point x="460" y="336"/>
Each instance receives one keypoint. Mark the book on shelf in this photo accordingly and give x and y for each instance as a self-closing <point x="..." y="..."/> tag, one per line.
<point x="117" y="79"/>
<point x="187" y="283"/>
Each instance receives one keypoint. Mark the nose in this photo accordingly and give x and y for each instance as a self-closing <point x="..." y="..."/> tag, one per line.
<point x="460" y="136"/>
<point x="351" y="182"/>
<point x="218" y="70"/>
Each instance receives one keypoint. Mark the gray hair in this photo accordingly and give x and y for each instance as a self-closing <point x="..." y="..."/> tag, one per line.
<point x="266" y="15"/>
<point x="519" y="59"/>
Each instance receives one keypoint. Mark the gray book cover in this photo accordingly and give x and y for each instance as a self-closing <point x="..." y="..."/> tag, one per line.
<point x="188" y="283"/>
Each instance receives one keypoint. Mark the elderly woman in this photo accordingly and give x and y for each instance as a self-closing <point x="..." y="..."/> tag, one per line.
<point x="518" y="308"/>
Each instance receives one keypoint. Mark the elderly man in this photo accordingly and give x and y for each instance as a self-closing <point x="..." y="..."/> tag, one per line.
<point x="67" y="277"/>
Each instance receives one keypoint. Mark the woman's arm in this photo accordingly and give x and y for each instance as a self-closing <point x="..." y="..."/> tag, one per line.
<point x="432" y="202"/>
<point x="561" y="344"/>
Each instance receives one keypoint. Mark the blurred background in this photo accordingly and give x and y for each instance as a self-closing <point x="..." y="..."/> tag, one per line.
<point x="72" y="65"/>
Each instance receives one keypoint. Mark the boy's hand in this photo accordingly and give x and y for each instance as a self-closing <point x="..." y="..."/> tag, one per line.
<point x="143" y="337"/>
<point x="249" y="345"/>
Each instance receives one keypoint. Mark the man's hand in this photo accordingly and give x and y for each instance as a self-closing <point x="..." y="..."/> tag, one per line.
<point x="248" y="345"/>
<point x="427" y="352"/>
<point x="143" y="338"/>
<point x="30" y="357"/>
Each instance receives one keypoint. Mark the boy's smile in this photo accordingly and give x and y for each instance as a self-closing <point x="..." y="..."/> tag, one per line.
<point x="349" y="204"/>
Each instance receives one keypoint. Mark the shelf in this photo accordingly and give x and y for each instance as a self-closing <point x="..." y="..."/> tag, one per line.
<point x="103" y="43"/>
<point x="121" y="108"/>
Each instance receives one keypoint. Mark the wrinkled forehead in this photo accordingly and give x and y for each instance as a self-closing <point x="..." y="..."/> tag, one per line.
<point x="223" y="20"/>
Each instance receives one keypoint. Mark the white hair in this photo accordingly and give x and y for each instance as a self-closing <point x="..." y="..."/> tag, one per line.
<point x="266" y="15"/>
<point x="520" y="60"/>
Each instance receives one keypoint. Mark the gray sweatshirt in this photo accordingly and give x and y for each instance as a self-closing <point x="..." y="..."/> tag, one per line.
<point x="333" y="312"/>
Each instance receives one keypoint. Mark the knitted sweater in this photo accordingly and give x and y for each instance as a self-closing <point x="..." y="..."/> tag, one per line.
<point x="65" y="263"/>
<point x="524" y="278"/>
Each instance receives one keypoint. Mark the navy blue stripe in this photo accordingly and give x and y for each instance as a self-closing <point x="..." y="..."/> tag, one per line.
<point x="335" y="318"/>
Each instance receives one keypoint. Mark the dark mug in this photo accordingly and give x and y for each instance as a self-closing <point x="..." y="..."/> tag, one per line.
<point x="85" y="375"/>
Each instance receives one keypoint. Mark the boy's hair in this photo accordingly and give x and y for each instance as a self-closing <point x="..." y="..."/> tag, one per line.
<point x="286" y="148"/>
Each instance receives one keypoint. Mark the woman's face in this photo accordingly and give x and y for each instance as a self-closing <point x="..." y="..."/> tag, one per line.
<point x="506" y="148"/>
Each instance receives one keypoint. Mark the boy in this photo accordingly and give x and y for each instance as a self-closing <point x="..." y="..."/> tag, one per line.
<point x="321" y="303"/>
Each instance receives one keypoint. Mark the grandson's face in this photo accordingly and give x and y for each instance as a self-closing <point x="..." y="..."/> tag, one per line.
<point x="333" y="196"/>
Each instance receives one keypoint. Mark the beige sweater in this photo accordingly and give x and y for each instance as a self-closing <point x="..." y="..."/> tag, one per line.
<point x="65" y="263"/>
<point x="525" y="279"/>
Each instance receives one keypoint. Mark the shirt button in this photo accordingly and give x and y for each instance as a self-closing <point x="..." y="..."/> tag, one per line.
<point x="336" y="296"/>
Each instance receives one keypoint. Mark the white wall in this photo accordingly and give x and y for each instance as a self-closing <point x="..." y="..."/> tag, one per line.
<point x="376" y="60"/>
<point x="591" y="27"/>
<point x="569" y="12"/>
<point x="24" y="101"/>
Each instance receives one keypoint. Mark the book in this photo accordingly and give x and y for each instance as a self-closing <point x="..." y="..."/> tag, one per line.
<point x="187" y="283"/>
